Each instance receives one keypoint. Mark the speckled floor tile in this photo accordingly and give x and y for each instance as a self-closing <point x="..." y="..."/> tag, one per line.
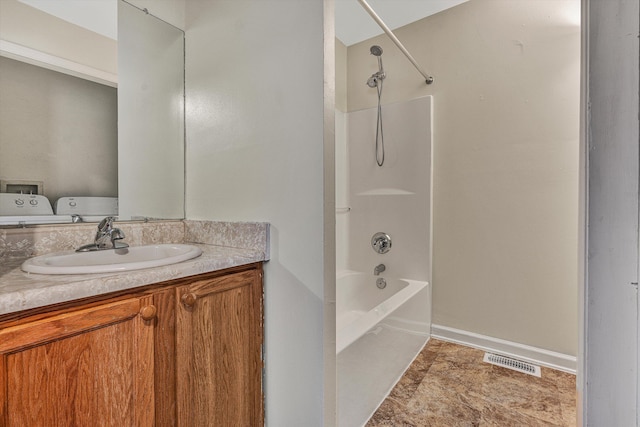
<point x="449" y="385"/>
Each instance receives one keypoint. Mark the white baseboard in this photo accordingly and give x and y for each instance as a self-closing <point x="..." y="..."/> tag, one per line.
<point x="534" y="355"/>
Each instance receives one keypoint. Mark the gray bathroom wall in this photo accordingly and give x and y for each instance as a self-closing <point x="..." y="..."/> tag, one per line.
<point x="58" y="129"/>
<point x="255" y="152"/>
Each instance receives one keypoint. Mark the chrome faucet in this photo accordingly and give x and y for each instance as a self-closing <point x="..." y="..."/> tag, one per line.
<point x="107" y="237"/>
<point x="379" y="269"/>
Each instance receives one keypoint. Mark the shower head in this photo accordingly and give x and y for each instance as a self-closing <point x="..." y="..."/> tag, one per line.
<point x="376" y="78"/>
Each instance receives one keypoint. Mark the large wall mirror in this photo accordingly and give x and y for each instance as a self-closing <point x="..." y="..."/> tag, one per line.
<point x="90" y="111"/>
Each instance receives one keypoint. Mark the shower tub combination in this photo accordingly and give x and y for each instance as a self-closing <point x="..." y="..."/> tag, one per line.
<point x="379" y="332"/>
<point x="382" y="320"/>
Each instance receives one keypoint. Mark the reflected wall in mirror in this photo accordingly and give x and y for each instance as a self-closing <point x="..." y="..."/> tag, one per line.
<point x="57" y="129"/>
<point x="80" y="138"/>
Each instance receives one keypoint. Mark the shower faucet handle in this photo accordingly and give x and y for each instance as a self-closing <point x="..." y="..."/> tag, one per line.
<point x="381" y="242"/>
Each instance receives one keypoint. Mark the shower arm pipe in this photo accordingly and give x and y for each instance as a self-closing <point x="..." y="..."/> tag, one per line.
<point x="393" y="38"/>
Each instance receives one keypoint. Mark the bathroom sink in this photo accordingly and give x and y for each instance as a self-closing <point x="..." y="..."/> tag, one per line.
<point x="110" y="260"/>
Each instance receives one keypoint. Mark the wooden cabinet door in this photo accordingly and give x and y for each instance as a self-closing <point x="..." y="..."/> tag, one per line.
<point x="87" y="367"/>
<point x="219" y="351"/>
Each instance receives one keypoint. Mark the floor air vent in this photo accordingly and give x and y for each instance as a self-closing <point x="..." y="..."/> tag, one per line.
<point x="509" y="363"/>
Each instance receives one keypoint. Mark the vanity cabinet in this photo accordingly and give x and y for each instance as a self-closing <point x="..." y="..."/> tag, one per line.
<point x="218" y="358"/>
<point x="80" y="366"/>
<point x="181" y="353"/>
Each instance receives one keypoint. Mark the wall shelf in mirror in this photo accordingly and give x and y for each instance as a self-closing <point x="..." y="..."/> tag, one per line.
<point x="42" y="59"/>
<point x="385" y="192"/>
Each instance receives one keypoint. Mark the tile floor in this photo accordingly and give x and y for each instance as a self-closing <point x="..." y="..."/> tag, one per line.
<point x="449" y="385"/>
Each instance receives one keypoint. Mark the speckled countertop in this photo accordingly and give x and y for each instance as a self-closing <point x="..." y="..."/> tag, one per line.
<point x="223" y="245"/>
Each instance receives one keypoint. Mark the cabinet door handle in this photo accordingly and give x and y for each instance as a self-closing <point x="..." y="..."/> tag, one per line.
<point x="148" y="312"/>
<point x="189" y="299"/>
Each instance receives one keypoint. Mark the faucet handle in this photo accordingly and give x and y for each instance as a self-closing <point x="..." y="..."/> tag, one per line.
<point x="105" y="233"/>
<point x="117" y="234"/>
<point x="381" y="242"/>
<point x="106" y="224"/>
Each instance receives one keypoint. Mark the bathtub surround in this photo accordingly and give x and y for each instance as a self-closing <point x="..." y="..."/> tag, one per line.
<point x="396" y="198"/>
<point x="343" y="208"/>
<point x="382" y="330"/>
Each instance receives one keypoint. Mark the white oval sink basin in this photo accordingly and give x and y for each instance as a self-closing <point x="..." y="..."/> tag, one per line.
<point x="110" y="260"/>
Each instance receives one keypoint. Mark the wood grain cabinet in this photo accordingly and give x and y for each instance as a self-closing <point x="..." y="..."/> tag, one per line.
<point x="181" y="353"/>
<point x="219" y="340"/>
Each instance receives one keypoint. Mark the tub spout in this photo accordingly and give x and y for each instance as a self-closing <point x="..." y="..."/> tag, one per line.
<point x="379" y="269"/>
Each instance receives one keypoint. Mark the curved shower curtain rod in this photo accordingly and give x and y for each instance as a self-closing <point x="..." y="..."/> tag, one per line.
<point x="393" y="38"/>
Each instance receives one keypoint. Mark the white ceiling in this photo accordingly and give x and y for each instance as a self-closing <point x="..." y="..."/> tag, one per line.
<point x="353" y="23"/>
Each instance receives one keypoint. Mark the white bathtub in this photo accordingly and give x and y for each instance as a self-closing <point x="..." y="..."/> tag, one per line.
<point x="378" y="334"/>
<point x="360" y="305"/>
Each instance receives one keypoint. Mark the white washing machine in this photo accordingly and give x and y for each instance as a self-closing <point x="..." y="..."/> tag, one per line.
<point x="87" y="209"/>
<point x="27" y="209"/>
